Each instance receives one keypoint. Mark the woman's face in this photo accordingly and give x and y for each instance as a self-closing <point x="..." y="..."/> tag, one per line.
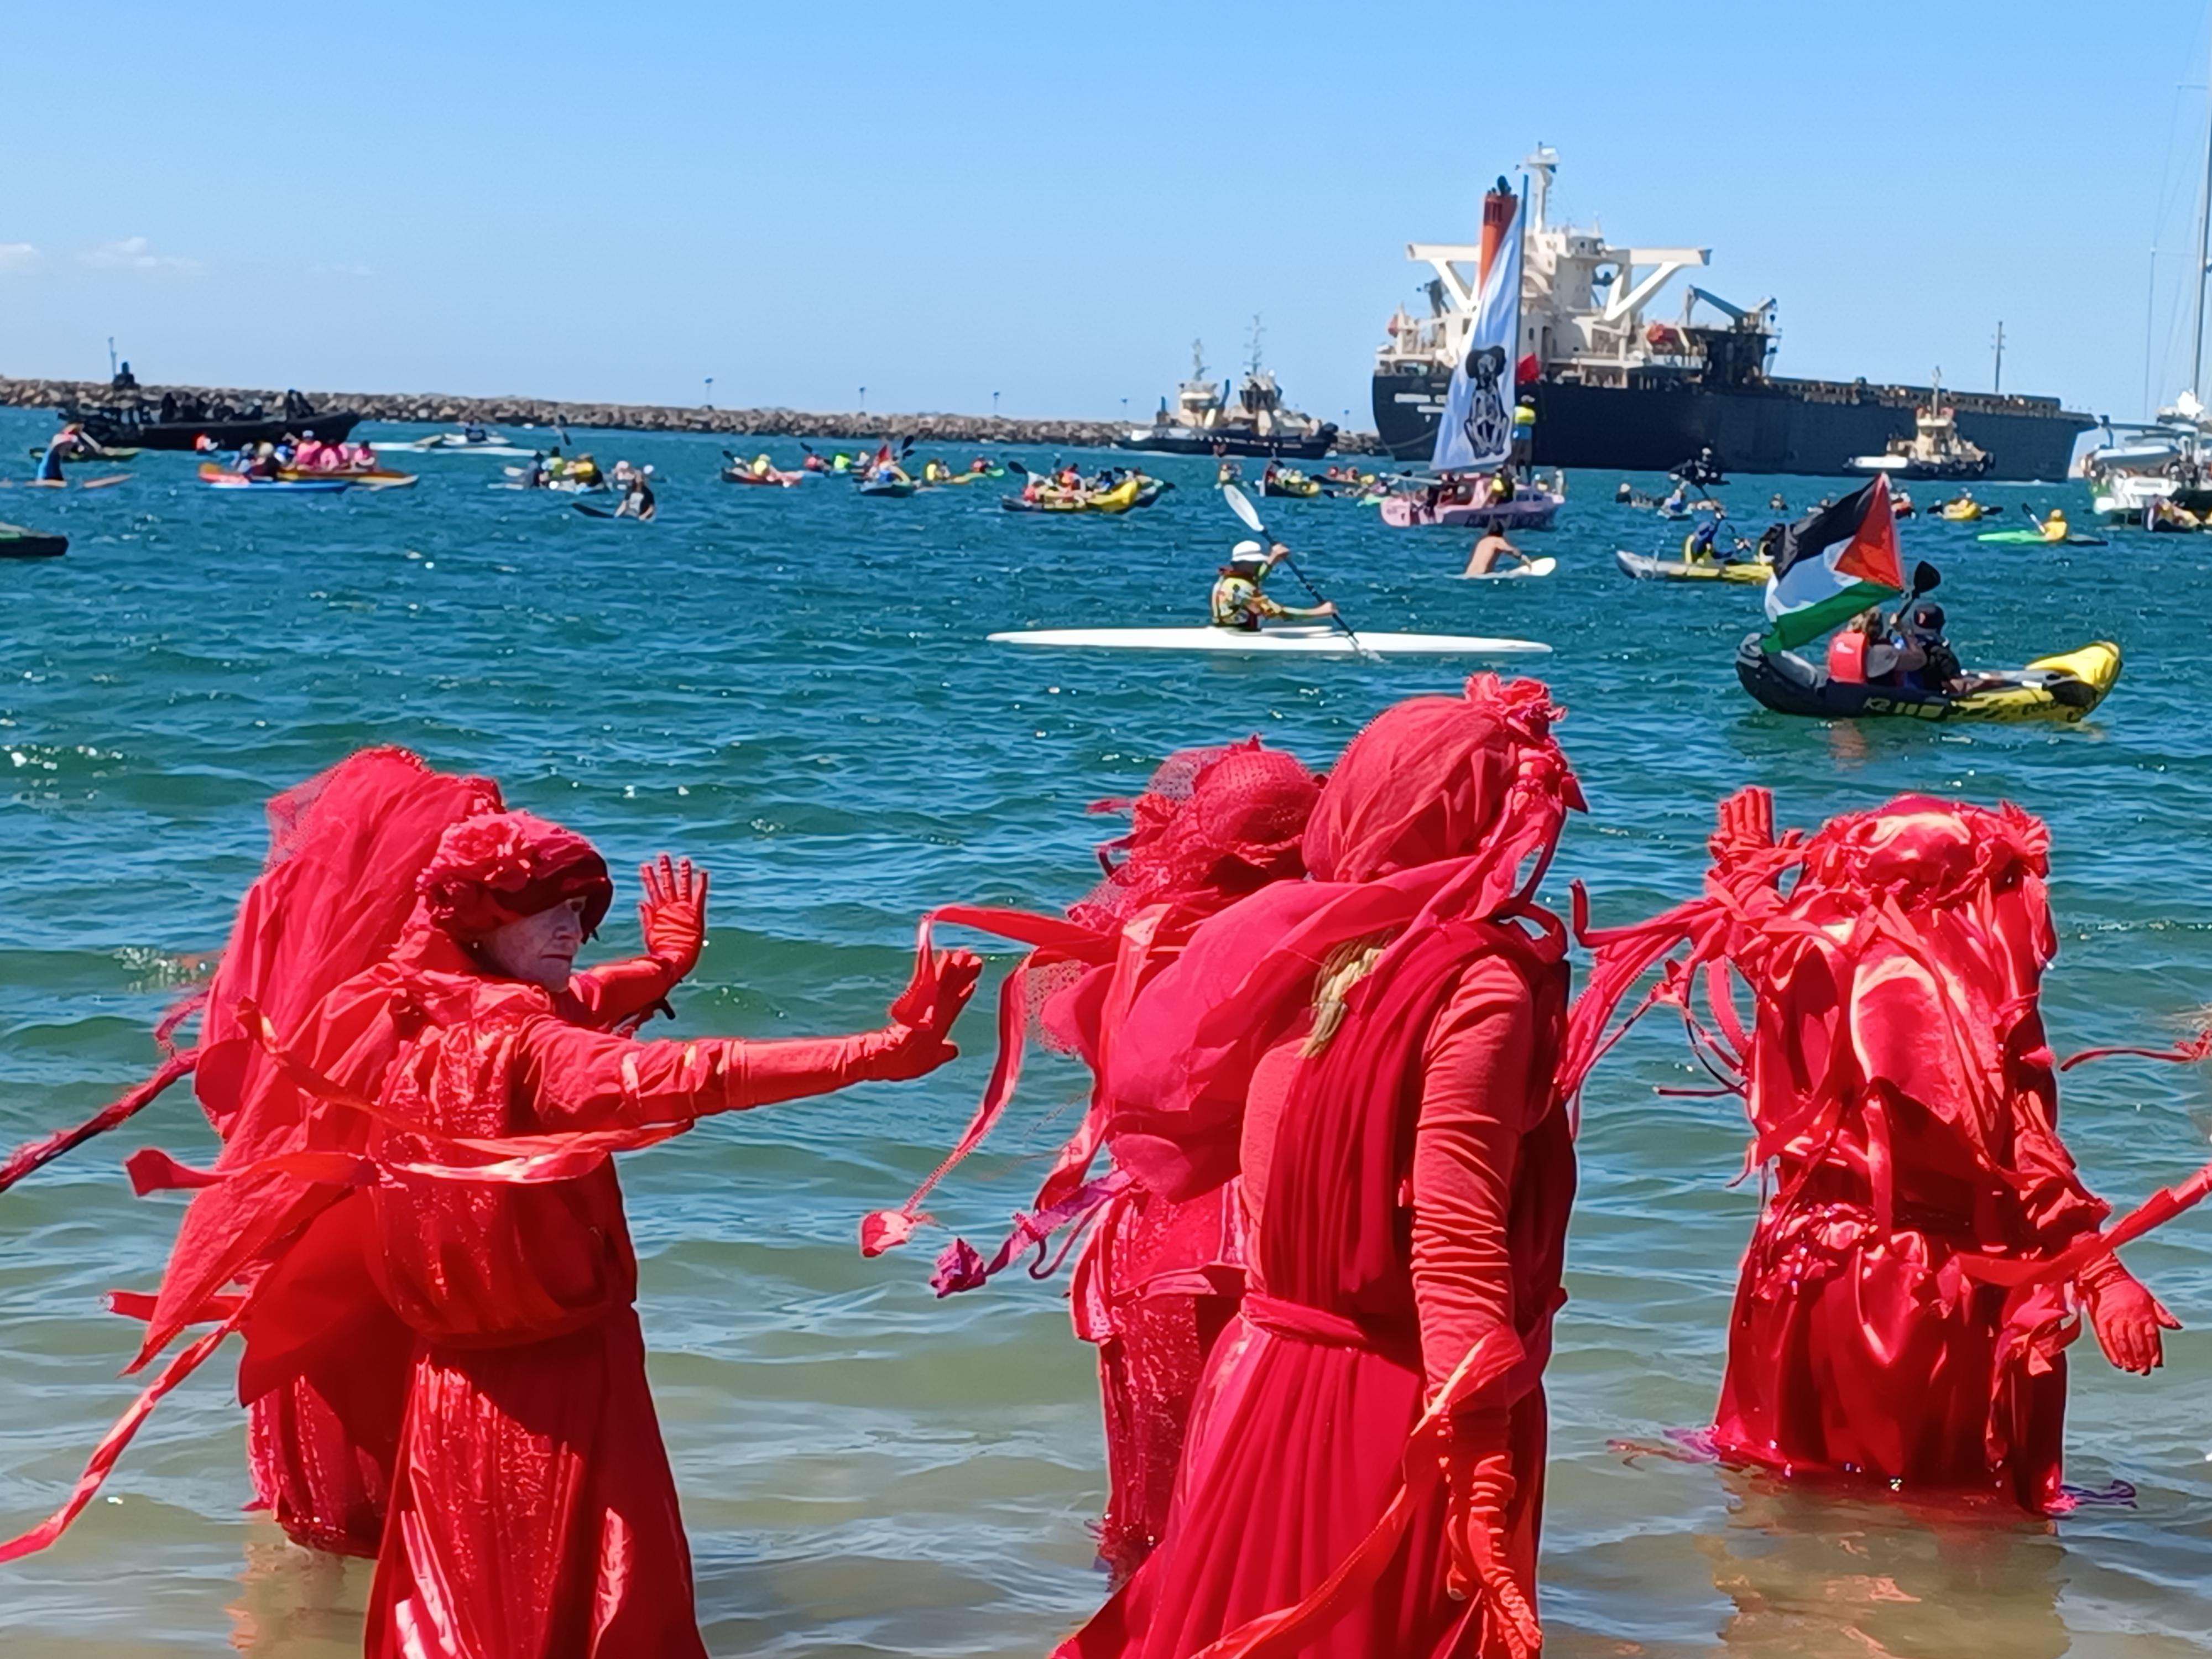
<point x="540" y="949"/>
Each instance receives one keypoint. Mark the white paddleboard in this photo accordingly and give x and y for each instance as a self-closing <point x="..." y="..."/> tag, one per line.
<point x="1543" y="567"/>
<point x="1307" y="639"/>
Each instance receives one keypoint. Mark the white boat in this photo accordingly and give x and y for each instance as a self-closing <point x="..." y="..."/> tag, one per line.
<point x="1314" y="640"/>
<point x="1935" y="450"/>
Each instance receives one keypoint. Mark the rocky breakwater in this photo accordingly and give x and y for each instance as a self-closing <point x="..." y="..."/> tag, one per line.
<point x="442" y="409"/>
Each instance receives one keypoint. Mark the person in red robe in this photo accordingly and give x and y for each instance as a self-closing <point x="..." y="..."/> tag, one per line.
<point x="532" y="1511"/>
<point x="345" y="848"/>
<point x="1159" y="1280"/>
<point x="1891" y="1324"/>
<point x="1363" y="1471"/>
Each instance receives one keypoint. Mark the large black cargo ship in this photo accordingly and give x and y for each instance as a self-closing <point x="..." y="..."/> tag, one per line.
<point x="1614" y="390"/>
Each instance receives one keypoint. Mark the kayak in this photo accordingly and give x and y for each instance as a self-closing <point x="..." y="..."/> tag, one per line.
<point x="17" y="542"/>
<point x="891" y="487"/>
<point x="1641" y="567"/>
<point x="1967" y="515"/>
<point x="2036" y="539"/>
<point x="2062" y="689"/>
<point x="1309" y="639"/>
<point x="739" y="476"/>
<point x="216" y="477"/>
<point x="1298" y="489"/>
<point x="1128" y="494"/>
<point x="379" y="478"/>
<point x="1543" y="567"/>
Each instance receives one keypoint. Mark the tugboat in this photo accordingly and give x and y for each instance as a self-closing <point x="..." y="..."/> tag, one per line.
<point x="189" y="420"/>
<point x="1934" y="451"/>
<point x="1205" y="422"/>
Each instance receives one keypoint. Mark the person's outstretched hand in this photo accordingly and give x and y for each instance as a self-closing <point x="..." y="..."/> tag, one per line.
<point x="674" y="914"/>
<point x="1479" y="1476"/>
<point x="923" y="1016"/>
<point x="2127" y="1318"/>
<point x="1747" y="825"/>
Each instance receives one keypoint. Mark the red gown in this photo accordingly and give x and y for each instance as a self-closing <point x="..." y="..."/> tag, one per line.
<point x="1364" y="1302"/>
<point x="1856" y="1347"/>
<point x="532" y="1512"/>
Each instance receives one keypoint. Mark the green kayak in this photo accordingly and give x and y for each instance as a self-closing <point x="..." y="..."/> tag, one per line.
<point x="2035" y="539"/>
<point x="17" y="542"/>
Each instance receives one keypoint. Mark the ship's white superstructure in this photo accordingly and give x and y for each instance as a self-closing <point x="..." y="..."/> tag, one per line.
<point x="1584" y="302"/>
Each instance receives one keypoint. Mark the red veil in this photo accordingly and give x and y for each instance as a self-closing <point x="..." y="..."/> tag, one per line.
<point x="346" y="848"/>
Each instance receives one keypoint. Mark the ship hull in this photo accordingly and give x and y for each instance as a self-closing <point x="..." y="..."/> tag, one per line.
<point x="1777" y="426"/>
<point x="1231" y="440"/>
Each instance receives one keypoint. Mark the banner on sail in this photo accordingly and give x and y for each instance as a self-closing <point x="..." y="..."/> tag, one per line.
<point x="1476" y="432"/>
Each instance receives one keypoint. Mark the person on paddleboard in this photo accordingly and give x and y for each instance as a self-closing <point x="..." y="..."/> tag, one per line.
<point x="638" y="503"/>
<point x="66" y="445"/>
<point x="1490" y="549"/>
<point x="1238" y="600"/>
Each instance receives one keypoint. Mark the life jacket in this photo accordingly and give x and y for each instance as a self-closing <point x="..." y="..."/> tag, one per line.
<point x="1847" y="657"/>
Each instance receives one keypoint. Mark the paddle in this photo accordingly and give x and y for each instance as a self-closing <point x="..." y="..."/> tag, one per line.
<point x="1240" y="505"/>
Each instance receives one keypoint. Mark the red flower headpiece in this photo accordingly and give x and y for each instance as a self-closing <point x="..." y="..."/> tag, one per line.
<point x="501" y="866"/>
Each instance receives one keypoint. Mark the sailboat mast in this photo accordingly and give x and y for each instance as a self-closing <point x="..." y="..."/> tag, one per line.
<point x="2204" y="254"/>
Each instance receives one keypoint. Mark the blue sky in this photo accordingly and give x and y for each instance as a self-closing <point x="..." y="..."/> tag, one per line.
<point x="944" y="203"/>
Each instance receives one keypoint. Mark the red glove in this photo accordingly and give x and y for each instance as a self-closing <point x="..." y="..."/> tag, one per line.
<point x="674" y="914"/>
<point x="1479" y="1474"/>
<point x="2126" y="1317"/>
<point x="923" y="1016"/>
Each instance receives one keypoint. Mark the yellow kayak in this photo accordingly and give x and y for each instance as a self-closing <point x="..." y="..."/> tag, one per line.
<point x="1642" y="568"/>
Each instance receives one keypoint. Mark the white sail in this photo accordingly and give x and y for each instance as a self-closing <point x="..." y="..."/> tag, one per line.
<point x="1476" y="432"/>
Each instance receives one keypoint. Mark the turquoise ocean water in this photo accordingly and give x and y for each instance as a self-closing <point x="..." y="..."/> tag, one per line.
<point x="793" y="688"/>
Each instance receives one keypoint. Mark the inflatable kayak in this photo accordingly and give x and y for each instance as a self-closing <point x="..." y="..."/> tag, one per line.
<point x="2062" y="688"/>
<point x="891" y="487"/>
<point x="738" y="475"/>
<point x="17" y="542"/>
<point x="1299" y="489"/>
<point x="1309" y="638"/>
<point x="1642" y="568"/>
<point x="1543" y="567"/>
<point x="1129" y="492"/>
<point x="2036" y="539"/>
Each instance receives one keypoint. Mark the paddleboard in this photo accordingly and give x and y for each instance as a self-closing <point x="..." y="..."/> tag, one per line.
<point x="1543" y="567"/>
<point x="1309" y="640"/>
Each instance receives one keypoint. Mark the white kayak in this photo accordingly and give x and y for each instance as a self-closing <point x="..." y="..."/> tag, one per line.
<point x="1543" y="567"/>
<point x="1317" y="640"/>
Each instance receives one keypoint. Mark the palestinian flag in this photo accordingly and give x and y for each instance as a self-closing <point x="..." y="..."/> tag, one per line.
<point x="1832" y="565"/>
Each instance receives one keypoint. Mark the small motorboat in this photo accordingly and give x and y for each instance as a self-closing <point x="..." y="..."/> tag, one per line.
<point x="2062" y="688"/>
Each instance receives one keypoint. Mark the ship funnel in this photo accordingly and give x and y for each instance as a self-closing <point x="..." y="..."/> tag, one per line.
<point x="1498" y="208"/>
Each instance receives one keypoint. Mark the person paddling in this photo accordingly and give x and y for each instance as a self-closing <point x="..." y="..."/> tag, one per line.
<point x="1490" y="549"/>
<point x="1238" y="601"/>
<point x="2054" y="529"/>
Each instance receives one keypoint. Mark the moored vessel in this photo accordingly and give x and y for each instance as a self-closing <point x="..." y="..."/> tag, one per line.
<point x="1612" y="388"/>
<point x="1935" y="449"/>
<point x="192" y="422"/>
<point x="1205" y="420"/>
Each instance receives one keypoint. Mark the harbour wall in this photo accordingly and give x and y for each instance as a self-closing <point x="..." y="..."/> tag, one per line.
<point x="445" y="409"/>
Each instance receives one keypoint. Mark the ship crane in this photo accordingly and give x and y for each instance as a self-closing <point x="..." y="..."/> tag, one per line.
<point x="1760" y="317"/>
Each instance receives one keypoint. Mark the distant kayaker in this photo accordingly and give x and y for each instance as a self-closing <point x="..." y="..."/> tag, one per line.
<point x="533" y="473"/>
<point x="638" y="503"/>
<point x="1775" y="504"/>
<point x="762" y="466"/>
<point x="2055" y="528"/>
<point x="1238" y="601"/>
<point x="1490" y="549"/>
<point x="1622" y="493"/>
<point x="71" y="442"/>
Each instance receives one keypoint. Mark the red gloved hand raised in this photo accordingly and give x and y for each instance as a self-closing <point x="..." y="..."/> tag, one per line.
<point x="2126" y="1317"/>
<point x="674" y="914"/>
<point x="1479" y="1475"/>
<point x="923" y="1016"/>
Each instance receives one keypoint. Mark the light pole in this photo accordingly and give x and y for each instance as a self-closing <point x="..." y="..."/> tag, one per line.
<point x="864" y="400"/>
<point x="710" y="391"/>
<point x="994" y="405"/>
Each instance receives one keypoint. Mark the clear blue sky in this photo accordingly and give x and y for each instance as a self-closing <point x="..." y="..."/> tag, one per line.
<point x="942" y="203"/>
